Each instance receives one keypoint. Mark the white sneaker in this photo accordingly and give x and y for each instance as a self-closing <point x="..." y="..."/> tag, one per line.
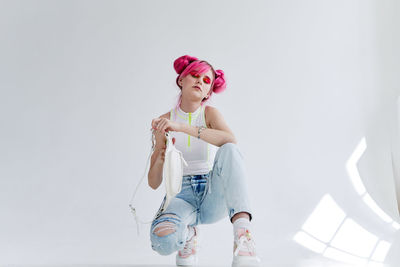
<point x="188" y="255"/>
<point x="244" y="251"/>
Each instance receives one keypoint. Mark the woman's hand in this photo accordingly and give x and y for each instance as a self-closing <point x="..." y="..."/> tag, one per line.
<point x="159" y="135"/>
<point x="163" y="125"/>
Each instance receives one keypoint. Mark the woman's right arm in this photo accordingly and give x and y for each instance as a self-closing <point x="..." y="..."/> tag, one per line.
<point x="156" y="167"/>
<point x="157" y="159"/>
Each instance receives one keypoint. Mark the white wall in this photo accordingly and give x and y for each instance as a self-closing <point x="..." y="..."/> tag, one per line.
<point x="390" y="41"/>
<point x="396" y="154"/>
<point x="80" y="82"/>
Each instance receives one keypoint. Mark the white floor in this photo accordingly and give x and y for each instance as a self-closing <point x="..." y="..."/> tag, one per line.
<point x="301" y="263"/>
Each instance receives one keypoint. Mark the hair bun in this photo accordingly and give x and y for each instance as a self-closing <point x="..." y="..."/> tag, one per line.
<point x="219" y="83"/>
<point x="182" y="62"/>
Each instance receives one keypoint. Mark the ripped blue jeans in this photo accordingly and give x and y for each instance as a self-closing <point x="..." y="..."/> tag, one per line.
<point x="204" y="199"/>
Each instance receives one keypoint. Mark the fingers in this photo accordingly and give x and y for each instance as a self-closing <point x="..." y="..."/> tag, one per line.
<point x="154" y="123"/>
<point x="160" y="124"/>
<point x="163" y="126"/>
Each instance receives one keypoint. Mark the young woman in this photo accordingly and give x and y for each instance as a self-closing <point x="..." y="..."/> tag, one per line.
<point x="214" y="182"/>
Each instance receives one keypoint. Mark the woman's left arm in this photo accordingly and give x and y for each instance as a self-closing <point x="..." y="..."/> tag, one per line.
<point x="218" y="132"/>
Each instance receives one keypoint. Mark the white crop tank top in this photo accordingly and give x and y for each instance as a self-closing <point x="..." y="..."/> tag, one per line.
<point x="198" y="154"/>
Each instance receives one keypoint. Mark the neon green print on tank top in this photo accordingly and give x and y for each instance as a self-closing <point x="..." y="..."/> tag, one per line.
<point x="190" y="123"/>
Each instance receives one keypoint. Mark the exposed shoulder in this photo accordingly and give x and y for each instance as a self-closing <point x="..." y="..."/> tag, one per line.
<point x="210" y="114"/>
<point x="215" y="120"/>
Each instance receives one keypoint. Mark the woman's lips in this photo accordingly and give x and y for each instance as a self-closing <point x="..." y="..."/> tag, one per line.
<point x="197" y="87"/>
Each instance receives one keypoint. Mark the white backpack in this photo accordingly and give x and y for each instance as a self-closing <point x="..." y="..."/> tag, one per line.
<point x="172" y="177"/>
<point x="172" y="171"/>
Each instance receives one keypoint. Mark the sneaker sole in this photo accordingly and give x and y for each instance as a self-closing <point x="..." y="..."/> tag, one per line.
<point x="240" y="261"/>
<point x="189" y="261"/>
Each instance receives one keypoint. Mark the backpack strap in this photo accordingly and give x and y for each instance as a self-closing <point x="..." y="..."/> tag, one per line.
<point x="131" y="204"/>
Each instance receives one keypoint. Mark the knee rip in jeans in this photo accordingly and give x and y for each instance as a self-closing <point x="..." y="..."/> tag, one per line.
<point x="165" y="227"/>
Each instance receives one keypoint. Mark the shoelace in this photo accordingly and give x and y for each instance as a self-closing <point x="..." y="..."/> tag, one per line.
<point x="245" y="241"/>
<point x="188" y="248"/>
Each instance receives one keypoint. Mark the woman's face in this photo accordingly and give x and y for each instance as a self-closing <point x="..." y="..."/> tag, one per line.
<point x="197" y="86"/>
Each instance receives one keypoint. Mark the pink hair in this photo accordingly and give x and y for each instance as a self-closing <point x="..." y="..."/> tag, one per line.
<point x="186" y="64"/>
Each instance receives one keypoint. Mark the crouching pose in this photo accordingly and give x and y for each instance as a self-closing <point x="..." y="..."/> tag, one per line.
<point x="214" y="183"/>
